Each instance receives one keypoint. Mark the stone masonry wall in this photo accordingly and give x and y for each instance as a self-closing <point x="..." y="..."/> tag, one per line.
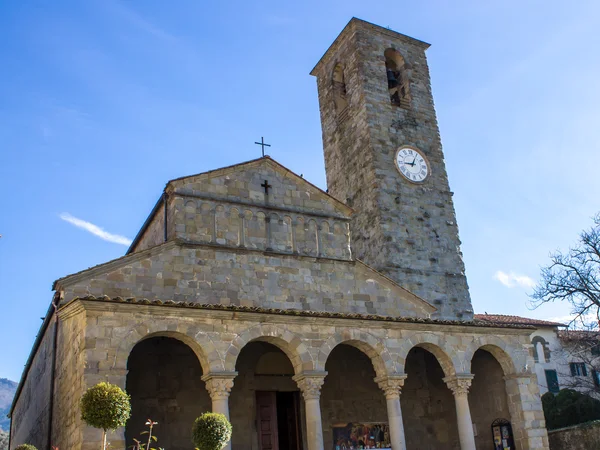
<point x="405" y="230"/>
<point x="253" y="227"/>
<point x="217" y="338"/>
<point x="30" y="418"/>
<point x="154" y="233"/>
<point x="242" y="184"/>
<point x="205" y="274"/>
<point x="252" y="377"/>
<point x="349" y="393"/>
<point x="73" y="339"/>
<point x="348" y="163"/>
<point x="229" y="207"/>
<point x="29" y="421"/>
<point x="428" y="404"/>
<point x="164" y="381"/>
<point x="580" y="437"/>
<point x="488" y="400"/>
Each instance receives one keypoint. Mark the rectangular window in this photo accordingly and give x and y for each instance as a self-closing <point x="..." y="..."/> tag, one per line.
<point x="596" y="350"/>
<point x="578" y="369"/>
<point x="596" y="377"/>
<point x="552" y="381"/>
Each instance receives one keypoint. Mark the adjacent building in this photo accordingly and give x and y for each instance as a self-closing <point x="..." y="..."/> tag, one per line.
<point x="564" y="359"/>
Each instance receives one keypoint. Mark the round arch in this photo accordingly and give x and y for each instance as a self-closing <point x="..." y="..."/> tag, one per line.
<point x="200" y="343"/>
<point x="285" y="340"/>
<point x="499" y="349"/>
<point x="433" y="344"/>
<point x="365" y="342"/>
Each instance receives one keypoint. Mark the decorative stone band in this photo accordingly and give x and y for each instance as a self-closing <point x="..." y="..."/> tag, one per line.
<point x="523" y="377"/>
<point x="219" y="384"/>
<point x="459" y="384"/>
<point x="391" y="384"/>
<point x="310" y="383"/>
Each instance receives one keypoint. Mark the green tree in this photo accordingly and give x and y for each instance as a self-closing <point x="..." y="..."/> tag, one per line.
<point x="211" y="431"/>
<point x="105" y="406"/>
<point x="569" y="407"/>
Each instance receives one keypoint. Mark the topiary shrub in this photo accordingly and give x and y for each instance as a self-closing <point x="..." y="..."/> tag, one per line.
<point x="211" y="431"/>
<point x="105" y="406"/>
<point x="25" y="447"/>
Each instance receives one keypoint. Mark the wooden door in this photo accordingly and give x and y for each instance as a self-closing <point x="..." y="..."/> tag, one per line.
<point x="288" y="417"/>
<point x="266" y="420"/>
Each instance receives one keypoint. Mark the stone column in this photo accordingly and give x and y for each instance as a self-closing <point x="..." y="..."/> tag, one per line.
<point x="219" y="387"/>
<point x="459" y="385"/>
<point x="392" y="386"/>
<point x="310" y="384"/>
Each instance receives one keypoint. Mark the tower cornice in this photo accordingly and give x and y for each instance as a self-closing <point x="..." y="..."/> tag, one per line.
<point x="354" y="25"/>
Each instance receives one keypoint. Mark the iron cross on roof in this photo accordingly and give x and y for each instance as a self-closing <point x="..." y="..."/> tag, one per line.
<point x="266" y="185"/>
<point x="263" y="145"/>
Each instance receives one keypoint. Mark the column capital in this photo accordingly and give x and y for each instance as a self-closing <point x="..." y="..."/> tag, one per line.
<point x="310" y="383"/>
<point x="219" y="384"/>
<point x="391" y="384"/>
<point x="459" y="384"/>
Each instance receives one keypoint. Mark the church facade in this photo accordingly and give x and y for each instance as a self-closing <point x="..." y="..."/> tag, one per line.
<point x="313" y="320"/>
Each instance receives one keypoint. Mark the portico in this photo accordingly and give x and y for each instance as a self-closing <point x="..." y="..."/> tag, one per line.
<point x="429" y="363"/>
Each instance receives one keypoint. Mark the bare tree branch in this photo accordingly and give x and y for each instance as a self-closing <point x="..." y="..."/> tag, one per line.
<point x="574" y="277"/>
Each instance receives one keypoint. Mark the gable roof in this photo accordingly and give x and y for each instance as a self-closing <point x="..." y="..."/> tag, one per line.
<point x="501" y="319"/>
<point x="276" y="166"/>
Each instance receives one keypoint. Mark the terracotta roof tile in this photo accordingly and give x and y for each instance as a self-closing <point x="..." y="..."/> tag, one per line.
<point x="579" y="335"/>
<point x="296" y="312"/>
<point x="515" y="320"/>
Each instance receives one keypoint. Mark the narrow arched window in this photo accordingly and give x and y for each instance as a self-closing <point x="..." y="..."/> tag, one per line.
<point x="397" y="77"/>
<point x="339" y="88"/>
<point x="541" y="352"/>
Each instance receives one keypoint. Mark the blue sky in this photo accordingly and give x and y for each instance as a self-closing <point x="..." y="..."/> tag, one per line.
<point x="102" y="102"/>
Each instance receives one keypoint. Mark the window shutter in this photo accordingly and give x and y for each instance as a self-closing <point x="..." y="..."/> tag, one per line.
<point x="573" y="369"/>
<point x="584" y="369"/>
<point x="552" y="381"/>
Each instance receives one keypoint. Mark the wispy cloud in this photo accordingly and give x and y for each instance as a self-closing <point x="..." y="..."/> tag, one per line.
<point x="511" y="279"/>
<point x="95" y="230"/>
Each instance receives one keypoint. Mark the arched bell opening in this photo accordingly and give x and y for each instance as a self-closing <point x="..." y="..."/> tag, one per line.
<point x="165" y="385"/>
<point x="397" y="77"/>
<point x="429" y="409"/>
<point x="353" y="407"/>
<point x="487" y="397"/>
<point x="265" y="403"/>
<point x="339" y="88"/>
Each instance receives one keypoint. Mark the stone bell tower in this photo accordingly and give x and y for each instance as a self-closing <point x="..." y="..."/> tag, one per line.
<point x="383" y="157"/>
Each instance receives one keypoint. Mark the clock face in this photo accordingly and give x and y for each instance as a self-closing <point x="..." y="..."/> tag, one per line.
<point x="411" y="163"/>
